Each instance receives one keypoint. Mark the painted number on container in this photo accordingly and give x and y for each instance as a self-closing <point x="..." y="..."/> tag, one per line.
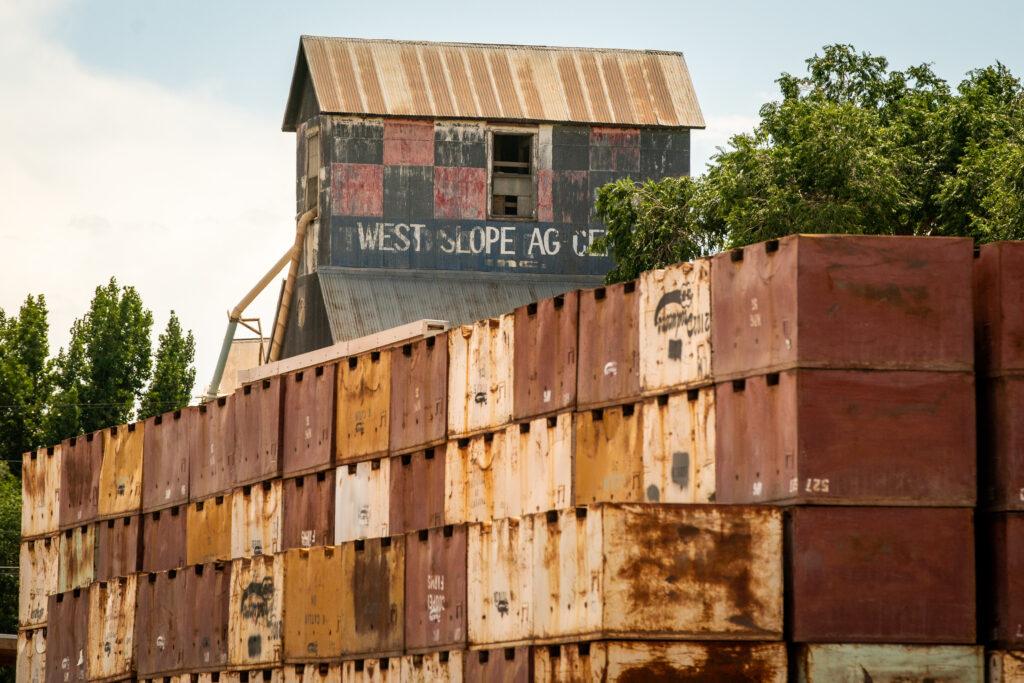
<point x="816" y="486"/>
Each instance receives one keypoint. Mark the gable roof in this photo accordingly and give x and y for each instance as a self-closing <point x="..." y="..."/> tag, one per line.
<point x="494" y="82"/>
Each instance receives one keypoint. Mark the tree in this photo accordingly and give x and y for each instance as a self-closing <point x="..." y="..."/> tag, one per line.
<point x="25" y="383"/>
<point x="174" y="374"/>
<point x="10" y="533"/>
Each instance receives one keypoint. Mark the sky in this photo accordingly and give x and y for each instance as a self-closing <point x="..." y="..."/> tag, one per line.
<point x="143" y="140"/>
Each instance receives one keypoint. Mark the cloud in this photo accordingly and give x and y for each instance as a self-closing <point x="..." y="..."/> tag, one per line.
<point x="705" y="143"/>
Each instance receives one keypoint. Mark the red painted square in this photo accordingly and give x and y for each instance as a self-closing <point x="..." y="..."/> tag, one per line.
<point x="357" y="189"/>
<point x="409" y="143"/>
<point x="460" y="192"/>
<point x="615" y="137"/>
<point x="545" y="211"/>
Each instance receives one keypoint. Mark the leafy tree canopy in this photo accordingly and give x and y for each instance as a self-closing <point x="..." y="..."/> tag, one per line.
<point x="174" y="375"/>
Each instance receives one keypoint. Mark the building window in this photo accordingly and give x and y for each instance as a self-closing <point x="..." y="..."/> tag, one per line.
<point x="513" y="188"/>
<point x="312" y="170"/>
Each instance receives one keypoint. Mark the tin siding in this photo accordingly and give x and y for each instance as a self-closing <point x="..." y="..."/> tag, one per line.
<point x="435" y="589"/>
<point x="258" y="414"/>
<point x="256" y="514"/>
<point x="211" y="471"/>
<point x="38" y="579"/>
<point x="419" y="394"/>
<point x="67" y="637"/>
<point x="169" y="442"/>
<point x="112" y="629"/>
<point x="309" y="419"/>
<point x="79" y="479"/>
<point x="417" y="496"/>
<point x="40" y="492"/>
<point x="165" y="535"/>
<point x="362" y="501"/>
<point x="162" y="621"/>
<point x="308" y="518"/>
<point x="121" y="473"/>
<point x="118" y="547"/>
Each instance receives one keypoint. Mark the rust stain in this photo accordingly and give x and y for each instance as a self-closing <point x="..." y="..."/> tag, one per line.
<point x="723" y="664"/>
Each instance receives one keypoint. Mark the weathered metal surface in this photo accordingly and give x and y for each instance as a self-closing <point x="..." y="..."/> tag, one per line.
<point x="118" y="547"/>
<point x="372" y="670"/>
<point x="500" y="571"/>
<point x="364" y="405"/>
<point x="256" y="515"/>
<point x="312" y="673"/>
<point x="67" y="637"/>
<point x="40" y="492"/>
<point x="82" y="457"/>
<point x="1001" y="595"/>
<point x="373" y="598"/>
<point x="258" y="417"/>
<point x="121" y="472"/>
<point x="309" y="417"/>
<point x="483" y="478"/>
<point x="208" y="596"/>
<point x="1001" y="440"/>
<point x="362" y="508"/>
<point x="545" y="357"/>
<point x="660" y="661"/>
<point x="265" y="675"/>
<point x="76" y="556"/>
<point x="890" y="663"/>
<point x="308" y="510"/>
<point x="544" y="448"/>
<point x="609" y="365"/>
<point x="314" y="590"/>
<point x="111" y="650"/>
<point x="209" y="530"/>
<point x="417" y="497"/>
<point x="162" y="623"/>
<point x="509" y="665"/>
<point x="679" y="447"/>
<point x="165" y="539"/>
<point x="480" y="375"/>
<point x="256" y="611"/>
<point x="435" y="589"/>
<point x="211" y="471"/>
<point x="609" y="455"/>
<point x="38" y="578"/>
<point x="847" y="437"/>
<point x="999" y="320"/>
<point x="1005" y="666"/>
<point x="675" y="327"/>
<point x="434" y="667"/>
<point x="31" y="664"/>
<point x="842" y="301"/>
<point x="419" y="394"/>
<point x="169" y="442"/>
<point x="886" y="580"/>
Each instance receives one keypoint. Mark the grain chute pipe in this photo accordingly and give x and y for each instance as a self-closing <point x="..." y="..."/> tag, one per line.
<point x="277" y="336"/>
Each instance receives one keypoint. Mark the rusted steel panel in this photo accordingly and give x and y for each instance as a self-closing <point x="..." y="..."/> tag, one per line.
<point x="169" y="442"/>
<point x="361" y="503"/>
<point x="31" y="665"/>
<point x="364" y="403"/>
<point x="847" y="437"/>
<point x="121" y="472"/>
<point x="80" y="478"/>
<point x="314" y="590"/>
<point x="675" y="327"/>
<point x="1002" y="585"/>
<point x="435" y="589"/>
<point x="77" y="557"/>
<point x="1005" y="666"/>
<point x="209" y="530"/>
<point x="118" y="547"/>
<point x="500" y="571"/>
<point x="211" y="471"/>
<point x="660" y="661"/>
<point x="67" y="637"/>
<point x="999" y="321"/>
<point x="545" y="357"/>
<point x="544" y="449"/>
<point x="372" y="606"/>
<point x="357" y="189"/>
<point x="312" y="673"/>
<point x="208" y="596"/>
<point x="1001" y="440"/>
<point x="162" y="623"/>
<point x="259" y="424"/>
<point x="165" y="539"/>
<point x="609" y="365"/>
<point x="843" y="301"/>
<point x="409" y="142"/>
<point x="372" y="670"/>
<point x="509" y="665"/>
<point x="309" y="417"/>
<point x="40" y="492"/>
<point x="434" y="667"/>
<point x="256" y="612"/>
<point x="38" y="578"/>
<point x="609" y="455"/>
<point x="480" y="375"/>
<point x="483" y="478"/>
<point x="256" y="515"/>
<point x="112" y="629"/>
<point x="308" y="510"/>
<point x="460" y="192"/>
<point x="419" y="394"/>
<point x="679" y="447"/>
<point x="890" y="663"/>
<point x="870" y="575"/>
<point x="265" y="675"/>
<point x="417" y="496"/>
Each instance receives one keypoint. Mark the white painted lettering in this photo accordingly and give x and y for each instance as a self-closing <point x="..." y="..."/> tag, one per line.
<point x="551" y="243"/>
<point x="368" y="236"/>
<point x="477" y="239"/>
<point x="402" y="236"/>
<point x="447" y="244"/>
<point x="508" y="243"/>
<point x="385" y="237"/>
<point x="417" y="234"/>
<point x="536" y="242"/>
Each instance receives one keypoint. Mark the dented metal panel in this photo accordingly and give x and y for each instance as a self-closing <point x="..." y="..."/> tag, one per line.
<point x="999" y="321"/>
<point x="1005" y="666"/>
<point x="256" y="515"/>
<point x="435" y="589"/>
<point x="362" y="508"/>
<point x="544" y="449"/>
<point x="480" y="375"/>
<point x="162" y="621"/>
<point x="314" y="590"/>
<point x="312" y="673"/>
<point x="419" y="394"/>
<point x="76" y="557"/>
<point x="364" y="404"/>
<point x="435" y="667"/>
<point x="256" y="611"/>
<point x="508" y="664"/>
<point x="169" y="442"/>
<point x="38" y="578"/>
<point x="259" y="428"/>
<point x="887" y="581"/>
<point x="500" y="571"/>
<point x="483" y="478"/>
<point x="843" y="301"/>
<point x="609" y="455"/>
<point x="1001" y="440"/>
<point x="890" y="663"/>
<point x="609" y="365"/>
<point x="675" y="327"/>
<point x="545" y="357"/>
<point x="121" y="472"/>
<point x="309" y="416"/>
<point x="31" y="664"/>
<point x="212" y="469"/>
<point x="208" y="594"/>
<point x="67" y="637"/>
<point x="209" y="530"/>
<point x="118" y="547"/>
<point x="417" y="497"/>
<point x="40" y="492"/>
<point x="1001" y="592"/>
<point x="308" y="510"/>
<point x="165" y="539"/>
<point x="679" y="447"/>
<point x="112" y="629"/>
<point x="373" y="601"/>
<point x="82" y="458"/>
<point x="372" y="670"/>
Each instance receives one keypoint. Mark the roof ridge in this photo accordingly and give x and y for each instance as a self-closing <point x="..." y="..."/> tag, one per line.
<point x="519" y="46"/>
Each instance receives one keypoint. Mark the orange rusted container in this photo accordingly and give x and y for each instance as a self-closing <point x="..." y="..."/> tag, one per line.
<point x="111" y="653"/>
<point x="435" y="589"/>
<point x="544" y="450"/>
<point x="309" y="417"/>
<point x="121" y="472"/>
<point x="1001" y="440"/>
<point x="609" y="455"/>
<point x="256" y="516"/>
<point x="480" y="375"/>
<point x="999" y="318"/>
<point x="545" y="357"/>
<point x="82" y="457"/>
<point x="40" y="492"/>
<point x="373" y="597"/>
<point x="312" y="673"/>
<point x="446" y="665"/>
<point x="169" y="443"/>
<point x="165" y="539"/>
<point x="308" y="510"/>
<point x="679" y="447"/>
<point x="364" y="405"/>
<point x="417" y="493"/>
<point x="76" y="557"/>
<point x="372" y="670"/>
<point x="118" y="547"/>
<point x="208" y="590"/>
<point x="483" y="478"/>
<point x="259" y="424"/>
<point x="609" y="364"/>
<point x="500" y="576"/>
<point x="162" y="623"/>
<point x="419" y="394"/>
<point x="209" y="530"/>
<point x="361" y="501"/>
<point x="314" y="590"/>
<point x="508" y="664"/>
<point x="31" y="664"/>
<point x="212" y="469"/>
<point x="38" y="573"/>
<point x="256" y="612"/>
<point x="67" y="637"/>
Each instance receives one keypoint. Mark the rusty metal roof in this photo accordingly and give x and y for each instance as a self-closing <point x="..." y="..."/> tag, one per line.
<point x="496" y="82"/>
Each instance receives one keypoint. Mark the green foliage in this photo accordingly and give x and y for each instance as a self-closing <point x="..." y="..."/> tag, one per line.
<point x="174" y="375"/>
<point x="25" y="381"/>
<point x="10" y="533"/>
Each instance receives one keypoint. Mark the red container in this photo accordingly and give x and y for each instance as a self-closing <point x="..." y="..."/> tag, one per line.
<point x="212" y="468"/>
<point x="842" y="301"/>
<point x="435" y="589"/>
<point x="846" y="437"/>
<point x="258" y="423"/>
<point x="609" y="345"/>
<point x="1002" y="590"/>
<point x="67" y="636"/>
<point x="309" y="415"/>
<point x="208" y="590"/>
<point x="79" y="479"/>
<point x="162" y="623"/>
<point x="999" y="316"/>
<point x="419" y="394"/>
<point x="165" y="539"/>
<point x="308" y="510"/>
<point x="508" y="665"/>
<point x="118" y="547"/>
<point x="169" y="443"/>
<point x="545" y="356"/>
<point x="1001" y="440"/>
<point x="880" y="575"/>
<point x="417" y="494"/>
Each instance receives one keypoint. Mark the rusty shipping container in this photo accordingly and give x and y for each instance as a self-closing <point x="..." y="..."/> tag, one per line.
<point x="544" y="450"/>
<point x="842" y="301"/>
<point x="480" y="375"/>
<point x="118" y="547"/>
<point x="419" y="394"/>
<point x="67" y="637"/>
<point x="545" y="357"/>
<point x="435" y="667"/>
<point x="256" y="516"/>
<point x="31" y="664"/>
<point x="847" y="437"/>
<point x="82" y="458"/>
<point x="265" y="675"/>
<point x="372" y="670"/>
<point x="121" y="471"/>
<point x="40" y="492"/>
<point x="500" y="575"/>
<point x="364" y="405"/>
<point x="38" y="578"/>
<point x="679" y="447"/>
<point x="1002" y="587"/>
<point x="76" y="557"/>
<point x="902" y="663"/>
<point x="999" y="320"/>
<point x="162" y="623"/>
<point x="373" y="597"/>
<point x="361" y="502"/>
<point x="170" y="441"/>
<point x="212" y="469"/>
<point x="111" y="650"/>
<point x="165" y="539"/>
<point x="259" y="424"/>
<point x="886" y="580"/>
<point x="609" y="455"/>
<point x="309" y="417"/>
<point x="208" y="594"/>
<point x="483" y="478"/>
<point x="314" y="589"/>
<point x="1001" y="440"/>
<point x="508" y="665"/>
<point x="435" y="589"/>
<point x="308" y="510"/>
<point x="1005" y="666"/>
<point x="312" y="673"/>
<point x="609" y="364"/>
<point x="209" y="530"/>
<point x="256" y="612"/>
<point x="417" y="495"/>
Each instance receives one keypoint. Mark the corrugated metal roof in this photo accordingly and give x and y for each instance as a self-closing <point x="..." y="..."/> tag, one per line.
<point x="496" y="82"/>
